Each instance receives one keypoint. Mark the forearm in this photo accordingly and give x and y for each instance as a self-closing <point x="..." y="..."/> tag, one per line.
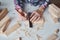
<point x="18" y="4"/>
<point x="44" y="4"/>
<point x="42" y="8"/>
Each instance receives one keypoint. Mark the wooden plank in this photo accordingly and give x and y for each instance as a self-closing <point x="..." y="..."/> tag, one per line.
<point x="54" y="10"/>
<point x="4" y="20"/>
<point x="5" y="26"/>
<point x="3" y="13"/>
<point x="55" y="19"/>
<point x="12" y="29"/>
<point x="52" y="37"/>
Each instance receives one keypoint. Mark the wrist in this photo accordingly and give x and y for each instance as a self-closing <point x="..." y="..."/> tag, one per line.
<point x="40" y="11"/>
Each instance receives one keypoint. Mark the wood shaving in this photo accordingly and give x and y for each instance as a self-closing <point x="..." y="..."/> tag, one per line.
<point x="39" y="37"/>
<point x="27" y="34"/>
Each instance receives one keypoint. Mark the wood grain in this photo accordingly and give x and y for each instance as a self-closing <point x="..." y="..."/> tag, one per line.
<point x="12" y="29"/>
<point x="3" y="13"/>
<point x="3" y="21"/>
<point x="5" y="26"/>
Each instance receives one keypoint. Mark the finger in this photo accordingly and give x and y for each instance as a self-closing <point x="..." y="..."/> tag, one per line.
<point x="36" y="16"/>
<point x="23" y="18"/>
<point x="25" y="14"/>
<point x="32" y="17"/>
<point x="38" y="19"/>
<point x="32" y="14"/>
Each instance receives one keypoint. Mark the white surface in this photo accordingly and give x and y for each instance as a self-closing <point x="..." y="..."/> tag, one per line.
<point x="48" y="28"/>
<point x="30" y="8"/>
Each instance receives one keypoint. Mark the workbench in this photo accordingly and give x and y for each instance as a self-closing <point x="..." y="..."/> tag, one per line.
<point x="47" y="28"/>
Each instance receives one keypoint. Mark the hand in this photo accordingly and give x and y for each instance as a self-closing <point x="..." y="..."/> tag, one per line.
<point x="35" y="16"/>
<point x="21" y="14"/>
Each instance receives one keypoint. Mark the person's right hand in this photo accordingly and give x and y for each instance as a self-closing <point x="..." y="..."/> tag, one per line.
<point x="21" y="13"/>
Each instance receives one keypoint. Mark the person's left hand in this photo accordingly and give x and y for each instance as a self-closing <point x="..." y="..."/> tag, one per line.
<point x="35" y="16"/>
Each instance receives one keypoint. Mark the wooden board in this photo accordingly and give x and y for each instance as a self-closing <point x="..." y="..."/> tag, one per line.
<point x="12" y="29"/>
<point x="3" y="13"/>
<point x="5" y="26"/>
<point x="4" y="20"/>
<point x="54" y="10"/>
<point x="52" y="37"/>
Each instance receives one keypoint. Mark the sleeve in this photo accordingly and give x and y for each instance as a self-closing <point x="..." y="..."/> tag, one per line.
<point x="44" y="3"/>
<point x="18" y="4"/>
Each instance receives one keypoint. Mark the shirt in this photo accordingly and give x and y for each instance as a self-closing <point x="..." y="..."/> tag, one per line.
<point x="30" y="5"/>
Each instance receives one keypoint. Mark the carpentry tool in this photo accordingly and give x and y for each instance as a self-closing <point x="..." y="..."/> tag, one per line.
<point x="28" y="17"/>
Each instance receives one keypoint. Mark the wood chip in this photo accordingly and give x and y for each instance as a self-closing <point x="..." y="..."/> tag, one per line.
<point x="39" y="37"/>
<point x="27" y="34"/>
